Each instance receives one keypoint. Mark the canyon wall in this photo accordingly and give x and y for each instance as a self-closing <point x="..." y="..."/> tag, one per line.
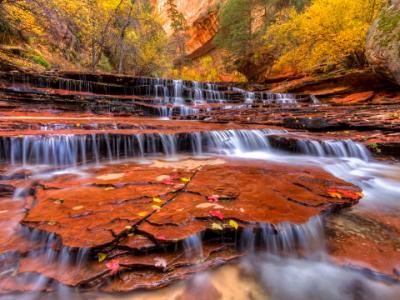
<point x="383" y="43"/>
<point x="201" y="17"/>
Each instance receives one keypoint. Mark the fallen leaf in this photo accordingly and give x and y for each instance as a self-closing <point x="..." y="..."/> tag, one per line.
<point x="168" y="182"/>
<point x="343" y="193"/>
<point x="185" y="180"/>
<point x="215" y="226"/>
<point x="213" y="198"/>
<point x="156" y="207"/>
<point x="110" y="176"/>
<point x="79" y="207"/>
<point x="217" y="214"/>
<point x="158" y="200"/>
<point x="233" y="224"/>
<point x="163" y="177"/>
<point x="58" y="201"/>
<point x="179" y="186"/>
<point x="101" y="257"/>
<point x="113" y="266"/>
<point x="142" y="214"/>
<point x="110" y="188"/>
<point x="160" y="263"/>
<point x="209" y="205"/>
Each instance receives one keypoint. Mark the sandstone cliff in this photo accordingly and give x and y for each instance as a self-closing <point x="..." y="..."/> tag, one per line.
<point x="383" y="43"/>
<point x="201" y="16"/>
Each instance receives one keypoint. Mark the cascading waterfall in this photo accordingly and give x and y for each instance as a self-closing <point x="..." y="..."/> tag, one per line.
<point x="345" y="148"/>
<point x="284" y="239"/>
<point x="73" y="150"/>
<point x="64" y="150"/>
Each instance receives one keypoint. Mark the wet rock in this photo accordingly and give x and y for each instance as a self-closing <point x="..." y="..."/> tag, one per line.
<point x="365" y="240"/>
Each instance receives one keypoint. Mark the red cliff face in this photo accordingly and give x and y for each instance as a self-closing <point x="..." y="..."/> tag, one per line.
<point x="201" y="16"/>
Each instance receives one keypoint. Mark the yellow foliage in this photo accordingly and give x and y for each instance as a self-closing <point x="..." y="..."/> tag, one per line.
<point x="326" y="33"/>
<point x="204" y="70"/>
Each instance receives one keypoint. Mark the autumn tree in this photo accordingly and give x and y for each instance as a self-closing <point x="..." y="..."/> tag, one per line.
<point x="327" y="34"/>
<point x="179" y="27"/>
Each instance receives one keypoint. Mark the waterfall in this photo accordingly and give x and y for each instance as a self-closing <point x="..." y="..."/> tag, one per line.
<point x="286" y="239"/>
<point x="345" y="148"/>
<point x="71" y="150"/>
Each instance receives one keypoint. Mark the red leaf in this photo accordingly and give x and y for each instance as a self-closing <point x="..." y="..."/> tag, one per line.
<point x="213" y="198"/>
<point x="168" y="181"/>
<point x="346" y="193"/>
<point x="216" y="214"/>
<point x="161" y="238"/>
<point x="113" y="266"/>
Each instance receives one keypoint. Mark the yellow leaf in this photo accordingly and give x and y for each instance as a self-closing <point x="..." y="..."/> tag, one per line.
<point x="101" y="257"/>
<point x="335" y="195"/>
<point x="233" y="224"/>
<point x="215" y="226"/>
<point x="156" y="207"/>
<point x="158" y="200"/>
<point x="185" y="180"/>
<point x="142" y="214"/>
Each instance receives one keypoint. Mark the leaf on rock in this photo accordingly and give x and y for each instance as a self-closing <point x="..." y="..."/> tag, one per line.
<point x="345" y="193"/>
<point x="160" y="263"/>
<point x="157" y="200"/>
<point x="185" y="180"/>
<point x="161" y="178"/>
<point x="213" y="198"/>
<point x="101" y="256"/>
<point x="217" y="214"/>
<point x="233" y="224"/>
<point x="142" y="214"/>
<point x="209" y="205"/>
<point x="216" y="226"/>
<point x="58" y="201"/>
<point x="113" y="266"/>
<point x="156" y="207"/>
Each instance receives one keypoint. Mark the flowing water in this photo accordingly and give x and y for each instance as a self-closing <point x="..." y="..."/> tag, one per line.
<point x="288" y="261"/>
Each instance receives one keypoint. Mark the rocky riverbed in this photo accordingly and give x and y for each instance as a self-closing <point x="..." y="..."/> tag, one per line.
<point x="117" y="184"/>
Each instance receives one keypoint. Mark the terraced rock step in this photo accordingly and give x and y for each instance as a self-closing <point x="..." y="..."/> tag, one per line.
<point x="164" y="221"/>
<point x="130" y="95"/>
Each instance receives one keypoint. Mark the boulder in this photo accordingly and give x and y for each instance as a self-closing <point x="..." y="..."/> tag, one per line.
<point x="383" y="43"/>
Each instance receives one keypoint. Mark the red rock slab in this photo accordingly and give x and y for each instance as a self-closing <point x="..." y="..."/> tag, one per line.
<point x="90" y="216"/>
<point x="12" y="240"/>
<point x="92" y="272"/>
<point x="68" y="274"/>
<point x="23" y="284"/>
<point x="285" y="194"/>
<point x="365" y="239"/>
<point x="116" y="175"/>
<point x="173" y="233"/>
<point x="254" y="192"/>
<point x="148" y="279"/>
<point x="356" y="98"/>
<point x="136" y="242"/>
